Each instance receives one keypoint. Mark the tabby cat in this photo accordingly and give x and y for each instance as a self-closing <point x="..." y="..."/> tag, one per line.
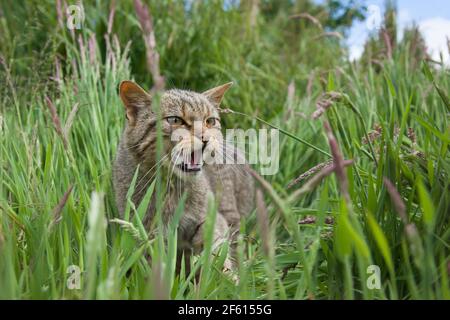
<point x="190" y="126"/>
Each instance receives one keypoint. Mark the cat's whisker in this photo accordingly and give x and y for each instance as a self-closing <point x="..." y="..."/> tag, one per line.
<point x="133" y="146"/>
<point x="181" y="188"/>
<point x="178" y="187"/>
<point x="234" y="151"/>
<point x="186" y="155"/>
<point x="149" y="180"/>
<point x="234" y="142"/>
<point x="171" y="173"/>
<point x="232" y="148"/>
<point x="160" y="162"/>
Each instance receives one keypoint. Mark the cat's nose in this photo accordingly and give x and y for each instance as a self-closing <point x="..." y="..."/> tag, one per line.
<point x="196" y="144"/>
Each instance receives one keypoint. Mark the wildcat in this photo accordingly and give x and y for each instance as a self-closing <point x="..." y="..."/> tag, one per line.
<point x="191" y="131"/>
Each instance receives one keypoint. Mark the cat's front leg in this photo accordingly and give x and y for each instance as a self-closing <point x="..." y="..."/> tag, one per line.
<point x="221" y="234"/>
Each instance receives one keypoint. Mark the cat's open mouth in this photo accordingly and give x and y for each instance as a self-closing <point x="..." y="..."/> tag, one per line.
<point x="193" y="164"/>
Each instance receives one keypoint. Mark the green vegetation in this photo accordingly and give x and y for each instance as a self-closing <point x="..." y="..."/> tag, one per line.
<point x="61" y="119"/>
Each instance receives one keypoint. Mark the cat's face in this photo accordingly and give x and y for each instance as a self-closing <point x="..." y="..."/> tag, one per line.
<point x="189" y="122"/>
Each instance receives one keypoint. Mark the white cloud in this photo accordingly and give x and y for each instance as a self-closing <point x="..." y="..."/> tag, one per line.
<point x="355" y="52"/>
<point x="435" y="31"/>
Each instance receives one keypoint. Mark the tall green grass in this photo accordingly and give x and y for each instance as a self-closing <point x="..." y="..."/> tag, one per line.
<point x="59" y="137"/>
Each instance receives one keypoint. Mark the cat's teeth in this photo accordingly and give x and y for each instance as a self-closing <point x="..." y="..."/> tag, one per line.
<point x="194" y="166"/>
<point x="194" y="163"/>
<point x="196" y="158"/>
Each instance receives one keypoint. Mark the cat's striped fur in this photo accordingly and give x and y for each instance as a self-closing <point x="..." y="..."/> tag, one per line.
<point x="229" y="183"/>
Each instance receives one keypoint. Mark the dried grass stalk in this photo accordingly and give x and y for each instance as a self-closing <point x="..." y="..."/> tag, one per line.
<point x="412" y="234"/>
<point x="111" y="16"/>
<point x="56" y="213"/>
<point x="396" y="199"/>
<point x="131" y="229"/>
<point x="70" y="120"/>
<point x="254" y="12"/>
<point x="338" y="160"/>
<point x="309" y="173"/>
<point x="316" y="179"/>
<point x="313" y="219"/>
<point x="263" y="222"/>
<point x="309" y="86"/>
<point x="388" y="43"/>
<point x="373" y="135"/>
<point x="56" y="121"/>
<point x="334" y="34"/>
<point x="92" y="49"/>
<point x="146" y="22"/>
<point x="325" y="101"/>
<point x="309" y="17"/>
<point x="59" y="14"/>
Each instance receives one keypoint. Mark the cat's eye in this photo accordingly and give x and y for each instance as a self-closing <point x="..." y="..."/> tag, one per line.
<point x="210" y="122"/>
<point x="175" y="120"/>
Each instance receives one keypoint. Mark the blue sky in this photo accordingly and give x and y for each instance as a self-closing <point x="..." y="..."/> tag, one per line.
<point x="432" y="17"/>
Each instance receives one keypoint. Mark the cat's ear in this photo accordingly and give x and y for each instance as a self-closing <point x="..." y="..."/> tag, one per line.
<point x="215" y="95"/>
<point x="133" y="98"/>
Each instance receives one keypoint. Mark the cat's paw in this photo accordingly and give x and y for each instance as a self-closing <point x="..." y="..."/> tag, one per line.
<point x="230" y="271"/>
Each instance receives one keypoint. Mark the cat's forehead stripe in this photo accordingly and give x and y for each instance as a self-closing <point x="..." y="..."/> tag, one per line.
<point x="188" y="101"/>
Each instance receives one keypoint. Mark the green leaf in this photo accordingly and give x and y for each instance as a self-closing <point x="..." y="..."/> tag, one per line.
<point x="426" y="205"/>
<point x="381" y="241"/>
<point x="426" y="70"/>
